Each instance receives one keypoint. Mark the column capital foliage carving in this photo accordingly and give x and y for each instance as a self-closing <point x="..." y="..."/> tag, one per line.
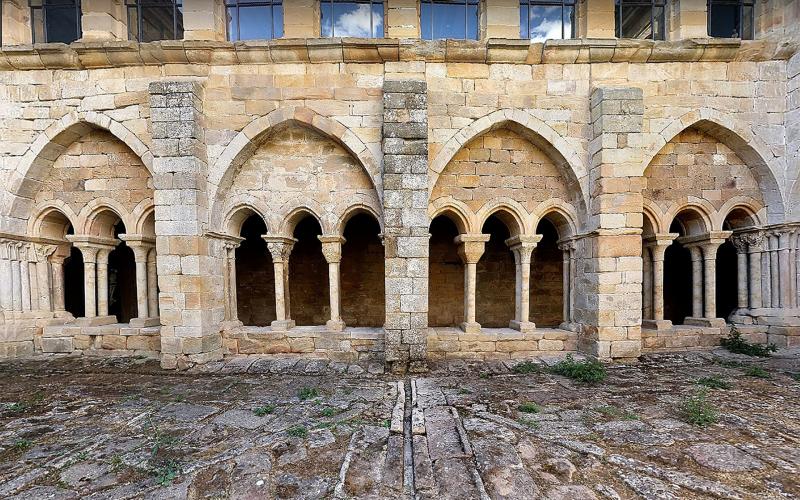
<point x="279" y="247"/>
<point x="332" y="248"/>
<point x="471" y="247"/>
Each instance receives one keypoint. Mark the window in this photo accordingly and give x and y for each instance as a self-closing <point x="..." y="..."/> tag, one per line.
<point x="642" y="19"/>
<point x="730" y="19"/>
<point x="542" y="20"/>
<point x="152" y="20"/>
<point x="449" y="19"/>
<point x="362" y="18"/>
<point x="254" y="19"/>
<point x="55" y="20"/>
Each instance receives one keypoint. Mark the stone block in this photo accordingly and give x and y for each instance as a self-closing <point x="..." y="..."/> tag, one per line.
<point x="57" y="345"/>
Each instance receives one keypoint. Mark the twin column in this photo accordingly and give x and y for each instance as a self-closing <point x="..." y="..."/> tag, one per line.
<point x="25" y="279"/>
<point x="704" y="278"/>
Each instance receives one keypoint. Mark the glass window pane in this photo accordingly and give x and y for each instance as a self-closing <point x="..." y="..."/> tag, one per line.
<point x="233" y="20"/>
<point x="62" y="24"/>
<point x="425" y="15"/>
<point x="327" y="19"/>
<point x="545" y="23"/>
<point x="255" y="23"/>
<point x="523" y="21"/>
<point x="747" y="22"/>
<point x="157" y="23"/>
<point x="277" y="21"/>
<point x="658" y="23"/>
<point x="723" y="21"/>
<point x="635" y="22"/>
<point x="472" y="22"/>
<point x="449" y="21"/>
<point x="377" y="20"/>
<point x="352" y="19"/>
<point x="569" y="22"/>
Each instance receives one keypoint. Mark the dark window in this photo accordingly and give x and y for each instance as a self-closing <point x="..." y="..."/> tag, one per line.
<point x="254" y="19"/>
<point x="360" y="19"/>
<point x="541" y="20"/>
<point x="55" y="20"/>
<point x="449" y="19"/>
<point x="643" y="19"/>
<point x="730" y="19"/>
<point x="153" y="20"/>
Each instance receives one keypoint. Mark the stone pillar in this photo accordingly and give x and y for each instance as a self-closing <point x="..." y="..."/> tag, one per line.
<point x="595" y="19"/>
<point x="402" y="19"/>
<point x="567" y="282"/>
<point x="301" y="19"/>
<point x="25" y="281"/>
<point x="190" y="264"/>
<point x="141" y="251"/>
<point x="774" y="270"/>
<point x="57" y="269"/>
<point x="102" y="281"/>
<point x="103" y="20"/>
<point x="281" y="248"/>
<point x="6" y="277"/>
<point x="405" y="202"/>
<point x="710" y="272"/>
<point x="522" y="247"/>
<point x="647" y="285"/>
<point x="687" y="19"/>
<point x="784" y="269"/>
<point x="741" y="244"/>
<point x="205" y="20"/>
<point x="231" y="290"/>
<point x="470" y="249"/>
<point x="766" y="274"/>
<point x="697" y="280"/>
<point x="502" y="19"/>
<point x="16" y="277"/>
<point x="332" y="250"/>
<point x="754" y="248"/>
<point x="658" y="248"/>
<point x="43" y="255"/>
<point x="608" y="304"/>
<point x="152" y="284"/>
<point x="16" y="16"/>
<point x="89" y="280"/>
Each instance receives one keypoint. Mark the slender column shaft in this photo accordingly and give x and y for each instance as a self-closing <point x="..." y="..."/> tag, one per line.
<point x="522" y="248"/>
<point x="43" y="272"/>
<point x="525" y="290"/>
<point x="470" y="249"/>
<point x="792" y="275"/>
<point x="335" y="291"/>
<point x="697" y="282"/>
<point x="33" y="274"/>
<point x="287" y="296"/>
<point x="775" y="292"/>
<point x="332" y="250"/>
<point x="89" y="286"/>
<point x="566" y="262"/>
<point x="766" y="276"/>
<point x="102" y="281"/>
<point x="710" y="272"/>
<point x="755" y="277"/>
<point x="280" y="304"/>
<point x="281" y="248"/>
<point x="470" y="287"/>
<point x="57" y="269"/>
<point x="152" y="284"/>
<point x="647" y="285"/>
<point x="25" y="281"/>
<point x="16" y="284"/>
<point x="5" y="278"/>
<point x="741" y="276"/>
<point x="233" y="295"/>
<point x="784" y="271"/>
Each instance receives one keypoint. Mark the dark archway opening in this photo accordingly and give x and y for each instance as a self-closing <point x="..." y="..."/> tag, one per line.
<point x="547" y="278"/>
<point x="122" y="280"/>
<point x="362" y="273"/>
<point x="255" y="275"/>
<point x="678" y="280"/>
<point x="73" y="282"/>
<point x="496" y="278"/>
<point x="727" y="273"/>
<point x="445" y="275"/>
<point x="309" y="297"/>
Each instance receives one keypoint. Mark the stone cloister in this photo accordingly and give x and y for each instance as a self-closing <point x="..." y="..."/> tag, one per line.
<point x="398" y="199"/>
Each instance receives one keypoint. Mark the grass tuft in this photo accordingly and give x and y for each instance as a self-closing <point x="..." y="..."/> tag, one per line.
<point x="263" y="411"/>
<point x="588" y="371"/>
<point x="714" y="382"/>
<point x="22" y="444"/>
<point x="529" y="407"/>
<point x="307" y="393"/>
<point x="757" y="372"/>
<point x="298" y="431"/>
<point x="696" y="409"/>
<point x="526" y="367"/>
<point x="736" y="344"/>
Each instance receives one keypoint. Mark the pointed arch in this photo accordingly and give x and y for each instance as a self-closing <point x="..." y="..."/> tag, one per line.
<point x="510" y="213"/>
<point x="252" y="136"/>
<point x="51" y="220"/>
<point x="540" y="134"/>
<point x="455" y="211"/>
<point x="352" y="211"/>
<point x="563" y="216"/>
<point x="92" y="221"/>
<point x="741" y="140"/>
<point x="291" y="220"/>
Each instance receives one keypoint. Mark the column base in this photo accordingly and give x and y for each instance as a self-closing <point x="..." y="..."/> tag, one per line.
<point x="657" y="324"/>
<point x="473" y="327"/>
<point x="145" y="322"/>
<point x="706" y="322"/>
<point x="230" y="325"/>
<point x="522" y="326"/>
<point x="569" y="326"/>
<point x="285" y="324"/>
<point x="66" y="315"/>
<point x="96" y="321"/>
<point x="335" y="325"/>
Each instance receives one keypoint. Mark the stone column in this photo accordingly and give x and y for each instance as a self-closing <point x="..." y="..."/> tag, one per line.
<point x="470" y="249"/>
<point x="89" y="280"/>
<point x="57" y="269"/>
<point x="25" y="279"/>
<point x="190" y="264"/>
<point x="567" y="276"/>
<point x="205" y="20"/>
<point x="774" y="270"/>
<point x="741" y="244"/>
<point x="754" y="248"/>
<point x="766" y="274"/>
<point x="6" y="277"/>
<point x="43" y="255"/>
<point x="697" y="280"/>
<point x="281" y="248"/>
<point x="784" y="270"/>
<point x="141" y="250"/>
<point x="103" y="20"/>
<point x="33" y="276"/>
<point x="102" y="281"/>
<point x="406" y="230"/>
<point x="332" y="250"/>
<point x="152" y="284"/>
<point x="658" y="248"/>
<point x="710" y="272"/>
<point x="16" y="277"/>
<point x="522" y="247"/>
<point x="232" y="302"/>
<point x="647" y="285"/>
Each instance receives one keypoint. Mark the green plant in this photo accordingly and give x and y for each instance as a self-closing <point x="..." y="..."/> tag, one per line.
<point x="613" y="411"/>
<point x="15" y="408"/>
<point x="166" y="471"/>
<point x="728" y="363"/>
<point x="484" y="375"/>
<point x="22" y="444"/>
<point x="588" y="371"/>
<point x="298" y="431"/>
<point x="116" y="463"/>
<point x="697" y="410"/>
<point x="526" y="367"/>
<point x="714" y="382"/>
<point x="307" y="393"/>
<point x="757" y="371"/>
<point x="527" y="422"/>
<point x="386" y="423"/>
<point x="263" y="411"/>
<point x="736" y="344"/>
<point x="795" y="376"/>
<point x="328" y="411"/>
<point x="529" y="407"/>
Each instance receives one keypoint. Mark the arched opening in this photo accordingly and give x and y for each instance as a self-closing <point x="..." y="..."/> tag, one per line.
<point x="547" y="277"/>
<point x="362" y="273"/>
<point x="308" y="276"/>
<point x="122" y="280"/>
<point x="678" y="276"/>
<point x="496" y="277"/>
<point x="445" y="275"/>
<point x="728" y="267"/>
<point x="73" y="281"/>
<point x="255" y="275"/>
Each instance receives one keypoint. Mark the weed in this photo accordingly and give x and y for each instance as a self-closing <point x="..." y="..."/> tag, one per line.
<point x="529" y="407"/>
<point x="82" y="456"/>
<point x="697" y="410"/>
<point x="265" y="410"/>
<point x="298" y="431"/>
<point x="795" y="376"/>
<point x="16" y="408"/>
<point x="328" y="412"/>
<point x="116" y="463"/>
<point x="589" y="371"/>
<point x="613" y="411"/>
<point x="22" y="444"/>
<point x="728" y="363"/>
<point x="714" y="382"/>
<point x="526" y="367"/>
<point x="464" y="391"/>
<point x="386" y="423"/>
<point x="166" y="471"/>
<point x="484" y="375"/>
<point x="527" y="422"/>
<point x="757" y="372"/>
<point x="307" y="393"/>
<point x="736" y="344"/>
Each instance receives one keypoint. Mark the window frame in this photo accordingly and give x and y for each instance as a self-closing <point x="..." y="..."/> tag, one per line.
<point x="237" y="4"/>
<point x="43" y="8"/>
<point x="137" y="4"/>
<point x="741" y="4"/>
<point x="550" y="3"/>
<point x="466" y="4"/>
<point x="371" y="3"/>
<point x="620" y="4"/>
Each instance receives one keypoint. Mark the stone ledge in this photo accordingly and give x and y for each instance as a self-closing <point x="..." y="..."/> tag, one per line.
<point x="86" y="55"/>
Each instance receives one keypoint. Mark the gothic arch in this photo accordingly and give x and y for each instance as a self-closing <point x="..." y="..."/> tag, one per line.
<point x="352" y="211"/>
<point x="564" y="213"/>
<point x="291" y="220"/>
<point x="456" y="211"/>
<point x="741" y="139"/>
<point x="251" y="137"/>
<point x="40" y="223"/>
<point x="511" y="213"/>
<point x="561" y="152"/>
<point x="90" y="217"/>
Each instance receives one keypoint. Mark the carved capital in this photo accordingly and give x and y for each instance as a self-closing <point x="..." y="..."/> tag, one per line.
<point x="332" y="248"/>
<point x="471" y="247"/>
<point x="522" y="247"/>
<point x="280" y="248"/>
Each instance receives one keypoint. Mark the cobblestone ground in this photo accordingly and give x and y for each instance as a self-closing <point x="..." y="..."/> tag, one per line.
<point x="122" y="428"/>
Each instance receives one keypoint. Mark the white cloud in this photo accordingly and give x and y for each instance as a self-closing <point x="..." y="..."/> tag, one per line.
<point x="547" y="30"/>
<point x="356" y="22"/>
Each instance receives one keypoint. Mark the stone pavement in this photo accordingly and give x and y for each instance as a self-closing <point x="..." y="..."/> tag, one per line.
<point x="123" y="428"/>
